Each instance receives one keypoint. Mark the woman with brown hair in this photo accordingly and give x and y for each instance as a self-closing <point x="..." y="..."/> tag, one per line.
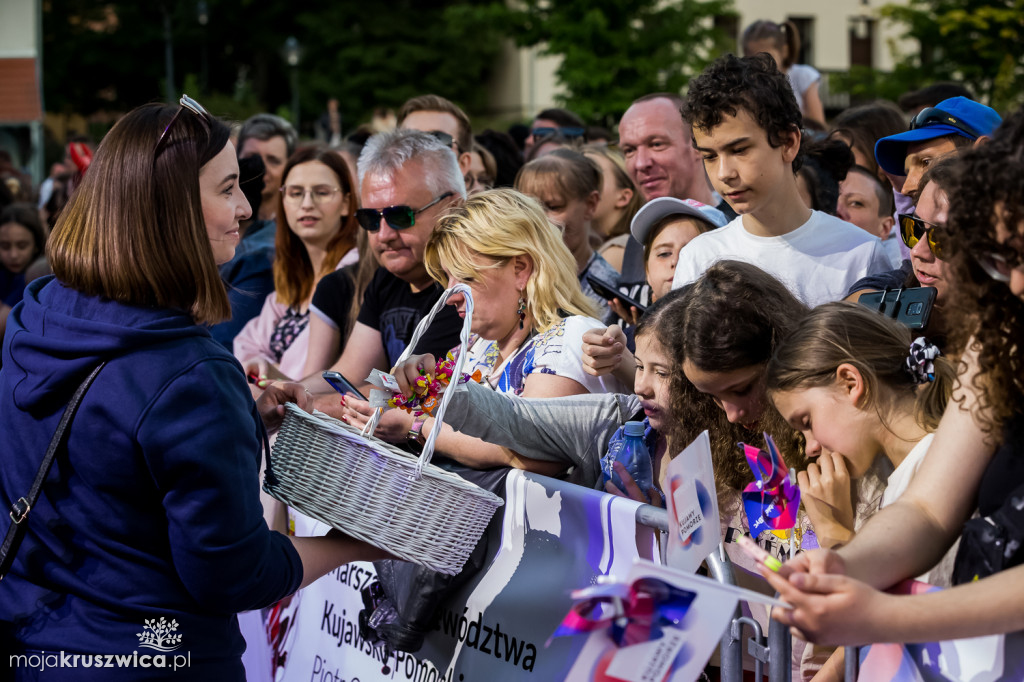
<point x="149" y="522"/>
<point x="316" y="236"/>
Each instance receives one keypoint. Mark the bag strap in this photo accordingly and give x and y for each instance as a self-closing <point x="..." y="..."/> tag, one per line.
<point x="23" y="505"/>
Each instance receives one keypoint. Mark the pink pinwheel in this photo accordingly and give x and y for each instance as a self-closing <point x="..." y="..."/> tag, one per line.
<point x="772" y="500"/>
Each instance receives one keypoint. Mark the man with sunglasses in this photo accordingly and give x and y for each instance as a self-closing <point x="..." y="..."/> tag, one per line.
<point x="443" y="119"/>
<point x="935" y="132"/>
<point x="407" y="179"/>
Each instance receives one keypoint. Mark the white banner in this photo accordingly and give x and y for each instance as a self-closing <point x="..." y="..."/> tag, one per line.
<point x="549" y="539"/>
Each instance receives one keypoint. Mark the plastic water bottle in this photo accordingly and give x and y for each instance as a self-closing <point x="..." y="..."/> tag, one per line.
<point x="632" y="452"/>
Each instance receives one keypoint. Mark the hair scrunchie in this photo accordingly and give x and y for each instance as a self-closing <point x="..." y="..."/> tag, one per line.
<point x="920" y="363"/>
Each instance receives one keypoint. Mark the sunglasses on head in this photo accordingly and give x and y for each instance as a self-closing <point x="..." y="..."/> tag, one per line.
<point x="935" y="116"/>
<point x="190" y="104"/>
<point x="912" y="229"/>
<point x="398" y="217"/>
<point x="570" y="132"/>
<point x="444" y="138"/>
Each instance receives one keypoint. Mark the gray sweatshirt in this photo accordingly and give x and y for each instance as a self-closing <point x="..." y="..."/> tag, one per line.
<point x="572" y="429"/>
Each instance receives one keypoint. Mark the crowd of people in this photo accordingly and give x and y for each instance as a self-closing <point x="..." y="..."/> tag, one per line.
<point x="704" y="269"/>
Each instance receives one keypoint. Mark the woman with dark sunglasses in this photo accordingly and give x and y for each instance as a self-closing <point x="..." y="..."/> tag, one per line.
<point x="923" y="232"/>
<point x="148" y="535"/>
<point x="977" y="455"/>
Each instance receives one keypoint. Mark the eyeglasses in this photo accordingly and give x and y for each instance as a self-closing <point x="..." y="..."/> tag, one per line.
<point x="570" y="132"/>
<point x="398" y="217"/>
<point x="296" y="194"/>
<point x="999" y="261"/>
<point x="932" y="115"/>
<point x="912" y="229"/>
<point x="445" y="139"/>
<point x="195" y="107"/>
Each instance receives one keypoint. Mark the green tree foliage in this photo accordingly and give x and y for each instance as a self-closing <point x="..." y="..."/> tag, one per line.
<point x="109" y="54"/>
<point x="616" y="50"/>
<point x="975" y="42"/>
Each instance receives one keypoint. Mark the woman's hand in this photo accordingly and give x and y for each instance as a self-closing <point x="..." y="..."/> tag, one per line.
<point x="603" y="349"/>
<point x="257" y="371"/>
<point x="825" y="491"/>
<point x="632" y="491"/>
<point x="412" y="369"/>
<point x="271" y="402"/>
<point x="393" y="426"/>
<point x="832" y="609"/>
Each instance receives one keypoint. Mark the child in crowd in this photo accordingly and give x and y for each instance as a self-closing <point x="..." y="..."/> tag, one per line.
<point x="746" y="125"/>
<point x="664" y="226"/>
<point x="846" y="379"/>
<point x="568" y="185"/>
<point x="782" y="42"/>
<point x="852" y="383"/>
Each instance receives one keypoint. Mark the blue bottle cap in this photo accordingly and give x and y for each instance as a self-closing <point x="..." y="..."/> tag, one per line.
<point x="634" y="429"/>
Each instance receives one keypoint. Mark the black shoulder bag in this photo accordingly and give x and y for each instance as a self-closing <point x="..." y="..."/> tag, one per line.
<point x="23" y="505"/>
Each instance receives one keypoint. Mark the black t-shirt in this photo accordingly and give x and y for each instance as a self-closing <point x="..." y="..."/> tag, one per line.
<point x="333" y="296"/>
<point x="390" y="307"/>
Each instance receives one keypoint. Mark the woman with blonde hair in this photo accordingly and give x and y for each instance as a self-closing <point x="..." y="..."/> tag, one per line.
<point x="528" y="320"/>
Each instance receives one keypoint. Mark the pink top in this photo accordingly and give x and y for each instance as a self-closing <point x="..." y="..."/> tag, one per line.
<point x="254" y="339"/>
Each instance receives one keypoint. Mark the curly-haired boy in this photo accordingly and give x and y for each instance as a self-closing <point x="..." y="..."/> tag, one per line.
<point x="746" y="125"/>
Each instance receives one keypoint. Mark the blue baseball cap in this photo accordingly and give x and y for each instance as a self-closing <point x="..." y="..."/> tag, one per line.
<point x="953" y="116"/>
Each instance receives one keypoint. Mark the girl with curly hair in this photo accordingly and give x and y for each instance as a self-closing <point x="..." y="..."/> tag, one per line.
<point x="976" y="456"/>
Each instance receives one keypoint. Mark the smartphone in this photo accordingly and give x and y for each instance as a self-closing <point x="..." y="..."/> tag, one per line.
<point x="911" y="306"/>
<point x="608" y="291"/>
<point x="341" y="384"/>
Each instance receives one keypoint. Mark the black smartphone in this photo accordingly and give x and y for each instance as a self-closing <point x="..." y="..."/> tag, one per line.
<point x="608" y="291"/>
<point x="911" y="306"/>
<point x="341" y="384"/>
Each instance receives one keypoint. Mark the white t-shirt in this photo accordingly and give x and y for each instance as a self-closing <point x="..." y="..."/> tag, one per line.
<point x="817" y="262"/>
<point x="801" y="77"/>
<point x="900" y="478"/>
<point x="942" y="573"/>
<point x="558" y="351"/>
<point x="891" y="246"/>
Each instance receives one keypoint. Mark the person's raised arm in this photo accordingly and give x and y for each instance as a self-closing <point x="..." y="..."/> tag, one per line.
<point x="605" y="352"/>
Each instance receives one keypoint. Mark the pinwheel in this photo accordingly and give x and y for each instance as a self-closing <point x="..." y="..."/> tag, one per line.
<point x="772" y="500"/>
<point x="632" y="613"/>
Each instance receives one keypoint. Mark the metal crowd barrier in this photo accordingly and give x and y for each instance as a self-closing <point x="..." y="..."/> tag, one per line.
<point x="776" y="651"/>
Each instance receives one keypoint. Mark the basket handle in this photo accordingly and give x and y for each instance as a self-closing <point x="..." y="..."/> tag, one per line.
<point x="460" y="361"/>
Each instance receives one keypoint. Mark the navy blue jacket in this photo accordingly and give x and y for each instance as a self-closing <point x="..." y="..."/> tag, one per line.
<point x="154" y="510"/>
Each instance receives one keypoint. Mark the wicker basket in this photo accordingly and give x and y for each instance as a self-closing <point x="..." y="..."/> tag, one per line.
<point x="373" y="491"/>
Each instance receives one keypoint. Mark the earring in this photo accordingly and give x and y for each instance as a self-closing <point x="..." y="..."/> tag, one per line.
<point x="521" y="311"/>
